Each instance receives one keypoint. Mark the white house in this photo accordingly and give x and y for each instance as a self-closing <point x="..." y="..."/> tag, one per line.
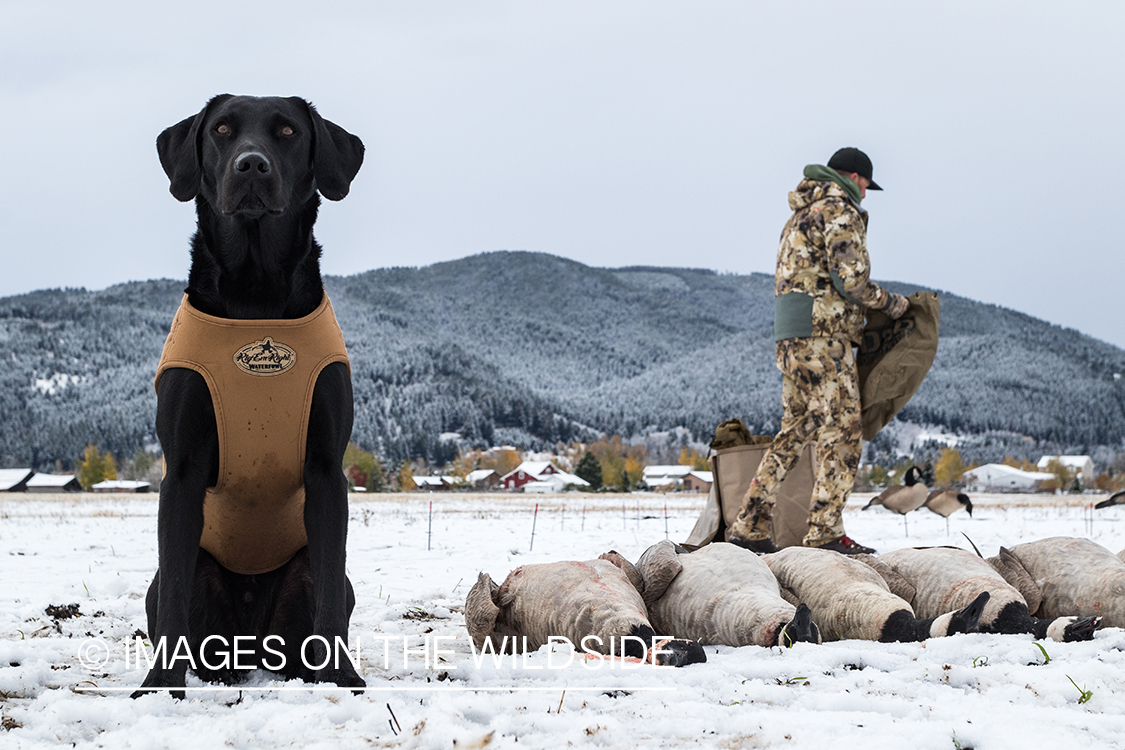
<point x="1004" y="478"/>
<point x="663" y="476"/>
<point x="556" y="482"/>
<point x="1082" y="465"/>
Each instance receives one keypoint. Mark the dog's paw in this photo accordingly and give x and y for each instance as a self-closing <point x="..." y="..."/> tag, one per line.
<point x="158" y="681"/>
<point x="345" y="678"/>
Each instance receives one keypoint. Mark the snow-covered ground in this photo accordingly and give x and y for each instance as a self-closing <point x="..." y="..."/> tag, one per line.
<point x="981" y="691"/>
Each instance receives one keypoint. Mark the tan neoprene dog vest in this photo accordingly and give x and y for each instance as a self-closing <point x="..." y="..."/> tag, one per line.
<point x="261" y="374"/>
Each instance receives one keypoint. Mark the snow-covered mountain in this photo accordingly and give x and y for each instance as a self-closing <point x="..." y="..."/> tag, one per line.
<point x="531" y="349"/>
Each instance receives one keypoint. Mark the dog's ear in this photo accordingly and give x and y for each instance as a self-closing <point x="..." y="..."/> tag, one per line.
<point x="337" y="156"/>
<point x="180" y="154"/>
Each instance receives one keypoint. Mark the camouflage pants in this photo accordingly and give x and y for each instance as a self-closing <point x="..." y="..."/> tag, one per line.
<point x="820" y="397"/>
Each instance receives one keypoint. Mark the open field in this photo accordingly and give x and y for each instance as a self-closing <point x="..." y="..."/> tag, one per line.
<point x="99" y="552"/>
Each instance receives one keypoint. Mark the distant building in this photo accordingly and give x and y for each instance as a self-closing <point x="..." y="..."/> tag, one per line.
<point x="528" y="471"/>
<point x="698" y="481"/>
<point x="1004" y="478"/>
<point x="557" y="482"/>
<point x="540" y="476"/>
<point x="14" y="480"/>
<point x="1083" y="466"/>
<point x="434" y="484"/>
<point x="54" y="483"/>
<point x="665" y="477"/>
<point x="121" y="485"/>
<point x="482" y="479"/>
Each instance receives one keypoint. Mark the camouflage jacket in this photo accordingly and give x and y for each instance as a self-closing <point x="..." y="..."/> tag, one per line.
<point x="822" y="286"/>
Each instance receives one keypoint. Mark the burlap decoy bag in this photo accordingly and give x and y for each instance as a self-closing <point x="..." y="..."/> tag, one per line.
<point x="734" y="463"/>
<point x="894" y="359"/>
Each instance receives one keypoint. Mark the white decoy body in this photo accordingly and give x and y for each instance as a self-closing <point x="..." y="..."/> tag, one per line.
<point x="722" y="595"/>
<point x="1071" y="576"/>
<point x="572" y="600"/>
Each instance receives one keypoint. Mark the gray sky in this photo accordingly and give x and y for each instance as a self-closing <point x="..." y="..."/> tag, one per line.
<point x="613" y="133"/>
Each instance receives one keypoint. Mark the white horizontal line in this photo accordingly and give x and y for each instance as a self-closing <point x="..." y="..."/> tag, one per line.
<point x="383" y="689"/>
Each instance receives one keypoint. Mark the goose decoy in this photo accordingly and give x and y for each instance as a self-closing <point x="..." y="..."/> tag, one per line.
<point x="720" y="595"/>
<point x="1069" y="576"/>
<point x="905" y="497"/>
<point x="946" y="502"/>
<point x="849" y="599"/>
<point x="1116" y="499"/>
<point x="935" y="579"/>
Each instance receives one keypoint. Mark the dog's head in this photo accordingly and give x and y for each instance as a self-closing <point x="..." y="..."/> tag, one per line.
<point x="251" y="156"/>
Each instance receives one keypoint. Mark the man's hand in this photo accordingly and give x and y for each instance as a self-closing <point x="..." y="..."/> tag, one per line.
<point x="896" y="306"/>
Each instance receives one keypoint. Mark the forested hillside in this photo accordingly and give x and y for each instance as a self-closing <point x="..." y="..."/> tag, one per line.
<point x="531" y="349"/>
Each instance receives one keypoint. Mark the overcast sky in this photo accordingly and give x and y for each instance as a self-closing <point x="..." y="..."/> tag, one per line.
<point x="612" y="133"/>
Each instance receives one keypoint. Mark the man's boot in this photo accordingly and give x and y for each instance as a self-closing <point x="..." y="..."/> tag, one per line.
<point x="751" y="529"/>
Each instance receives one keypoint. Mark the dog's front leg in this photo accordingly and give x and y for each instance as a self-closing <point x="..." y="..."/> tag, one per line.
<point x="326" y="520"/>
<point x="185" y="424"/>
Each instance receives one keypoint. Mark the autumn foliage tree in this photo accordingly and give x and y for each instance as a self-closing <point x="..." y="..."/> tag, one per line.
<point x="949" y="468"/>
<point x="691" y="457"/>
<point x="622" y="464"/>
<point x="405" y="477"/>
<point x="95" y="467"/>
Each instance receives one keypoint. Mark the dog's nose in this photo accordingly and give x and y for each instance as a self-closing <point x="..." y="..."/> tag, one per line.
<point x="252" y="161"/>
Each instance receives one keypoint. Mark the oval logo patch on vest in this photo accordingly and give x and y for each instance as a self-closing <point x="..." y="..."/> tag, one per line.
<point x="265" y="357"/>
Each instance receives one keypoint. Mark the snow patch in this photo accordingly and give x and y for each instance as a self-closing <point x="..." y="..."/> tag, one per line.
<point x="59" y="381"/>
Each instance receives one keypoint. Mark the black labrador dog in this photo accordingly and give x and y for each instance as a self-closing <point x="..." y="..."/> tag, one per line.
<point x="254" y="167"/>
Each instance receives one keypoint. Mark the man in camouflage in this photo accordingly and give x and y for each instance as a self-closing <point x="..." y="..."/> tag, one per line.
<point x="821" y="292"/>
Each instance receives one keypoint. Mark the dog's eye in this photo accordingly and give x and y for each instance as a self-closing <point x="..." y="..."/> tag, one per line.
<point x="287" y="130"/>
<point x="222" y="129"/>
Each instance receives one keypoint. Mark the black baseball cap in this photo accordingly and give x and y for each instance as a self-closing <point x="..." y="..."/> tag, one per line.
<point x="850" y="160"/>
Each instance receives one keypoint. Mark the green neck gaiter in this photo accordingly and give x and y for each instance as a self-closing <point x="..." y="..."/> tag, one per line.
<point x="827" y="174"/>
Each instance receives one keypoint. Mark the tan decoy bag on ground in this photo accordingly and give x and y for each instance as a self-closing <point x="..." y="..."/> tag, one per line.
<point x="733" y="465"/>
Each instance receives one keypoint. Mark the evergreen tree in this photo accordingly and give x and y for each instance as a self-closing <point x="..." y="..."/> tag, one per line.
<point x="377" y="477"/>
<point x="625" y="483"/>
<point x="590" y="470"/>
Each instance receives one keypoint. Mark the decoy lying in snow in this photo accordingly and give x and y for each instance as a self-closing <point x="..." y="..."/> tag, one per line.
<point x="1070" y="576"/>
<point x="905" y="497"/>
<point x="850" y="600"/>
<point x="721" y="594"/>
<point x="946" y="502"/>
<point x="1115" y="499"/>
<point x="572" y="600"/>
<point x="936" y="579"/>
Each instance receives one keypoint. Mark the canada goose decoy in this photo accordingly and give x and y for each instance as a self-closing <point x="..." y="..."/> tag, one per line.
<point x="946" y="502"/>
<point x="934" y="580"/>
<point x="1117" y="499"/>
<point x="905" y="497"/>
<point x="1066" y="576"/>
<point x="849" y="599"/>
